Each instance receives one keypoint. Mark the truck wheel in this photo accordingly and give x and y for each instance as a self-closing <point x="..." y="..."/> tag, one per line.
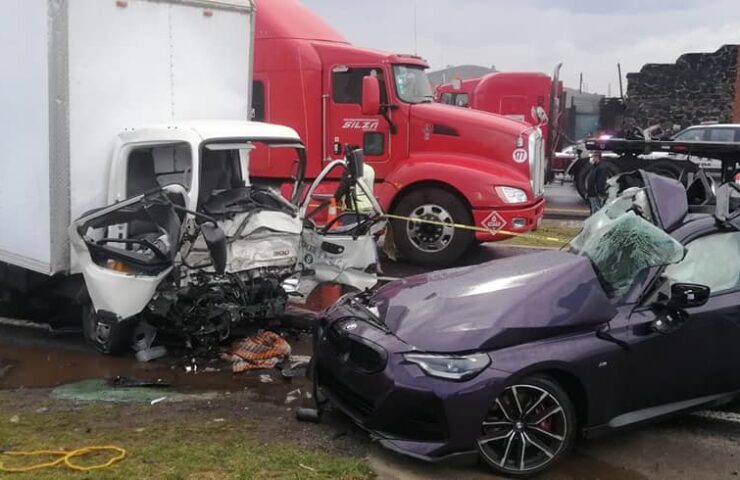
<point x="580" y="180"/>
<point x="585" y="173"/>
<point x="664" y="168"/>
<point x="427" y="244"/>
<point x="113" y="338"/>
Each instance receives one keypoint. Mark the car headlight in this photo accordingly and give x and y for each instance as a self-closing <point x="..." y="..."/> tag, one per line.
<point x="512" y="195"/>
<point x="450" y="367"/>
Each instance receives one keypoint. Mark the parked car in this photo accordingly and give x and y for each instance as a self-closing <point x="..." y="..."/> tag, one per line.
<point x="723" y="132"/>
<point x="512" y="360"/>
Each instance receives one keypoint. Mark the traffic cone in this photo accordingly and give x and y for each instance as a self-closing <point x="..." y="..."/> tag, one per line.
<point x="323" y="296"/>
<point x="330" y="293"/>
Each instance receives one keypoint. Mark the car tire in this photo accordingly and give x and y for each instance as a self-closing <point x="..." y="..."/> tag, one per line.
<point x="528" y="428"/>
<point x="432" y="245"/>
<point x="109" y="339"/>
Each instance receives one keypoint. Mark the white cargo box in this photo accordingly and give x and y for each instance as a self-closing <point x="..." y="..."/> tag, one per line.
<point x="78" y="72"/>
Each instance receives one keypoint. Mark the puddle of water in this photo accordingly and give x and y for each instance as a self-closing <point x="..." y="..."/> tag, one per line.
<point x="578" y="466"/>
<point x="51" y="366"/>
<point x="102" y="391"/>
<point x="5" y="367"/>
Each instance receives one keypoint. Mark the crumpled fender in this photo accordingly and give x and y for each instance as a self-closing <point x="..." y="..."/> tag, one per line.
<point x="473" y="176"/>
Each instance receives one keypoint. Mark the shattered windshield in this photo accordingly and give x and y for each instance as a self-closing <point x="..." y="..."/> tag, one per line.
<point x="412" y="84"/>
<point x="621" y="244"/>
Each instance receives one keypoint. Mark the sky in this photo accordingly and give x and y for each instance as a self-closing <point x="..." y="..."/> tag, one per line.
<point x="588" y="36"/>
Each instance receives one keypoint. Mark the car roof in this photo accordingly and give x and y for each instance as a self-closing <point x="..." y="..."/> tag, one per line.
<point x="714" y="125"/>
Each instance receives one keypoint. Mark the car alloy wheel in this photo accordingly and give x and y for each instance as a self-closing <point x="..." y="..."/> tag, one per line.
<point x="528" y="428"/>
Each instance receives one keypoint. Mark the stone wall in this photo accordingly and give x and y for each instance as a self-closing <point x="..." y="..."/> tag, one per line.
<point x="699" y="87"/>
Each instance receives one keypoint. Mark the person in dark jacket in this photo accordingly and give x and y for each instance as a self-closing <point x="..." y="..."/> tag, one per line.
<point x="597" y="192"/>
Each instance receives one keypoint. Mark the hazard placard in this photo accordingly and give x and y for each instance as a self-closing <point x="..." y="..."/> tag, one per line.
<point x="494" y="223"/>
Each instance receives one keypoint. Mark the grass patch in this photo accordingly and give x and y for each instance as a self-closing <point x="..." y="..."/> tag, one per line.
<point x="188" y="446"/>
<point x="543" y="236"/>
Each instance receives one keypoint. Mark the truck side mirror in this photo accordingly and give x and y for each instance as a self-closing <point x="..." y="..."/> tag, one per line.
<point x="356" y="162"/>
<point x="539" y="115"/>
<point x="370" y="95"/>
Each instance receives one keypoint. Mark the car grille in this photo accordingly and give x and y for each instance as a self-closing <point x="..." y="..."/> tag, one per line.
<point x="537" y="163"/>
<point x="360" y="354"/>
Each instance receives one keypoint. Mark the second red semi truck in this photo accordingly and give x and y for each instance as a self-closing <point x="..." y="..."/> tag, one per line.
<point x="431" y="161"/>
<point x="513" y="95"/>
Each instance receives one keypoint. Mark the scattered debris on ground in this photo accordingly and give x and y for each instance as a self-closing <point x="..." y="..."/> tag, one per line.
<point x="262" y="351"/>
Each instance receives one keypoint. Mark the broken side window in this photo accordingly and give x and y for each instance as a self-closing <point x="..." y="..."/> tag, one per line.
<point x="711" y="261"/>
<point x="155" y="166"/>
<point x="220" y="171"/>
<point x="150" y="251"/>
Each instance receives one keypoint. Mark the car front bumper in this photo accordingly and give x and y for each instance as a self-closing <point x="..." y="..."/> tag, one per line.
<point x="363" y="373"/>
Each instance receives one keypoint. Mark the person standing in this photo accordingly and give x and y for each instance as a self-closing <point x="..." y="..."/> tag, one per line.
<point x="597" y="192"/>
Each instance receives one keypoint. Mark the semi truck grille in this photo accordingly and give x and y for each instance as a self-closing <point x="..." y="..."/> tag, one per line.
<point x="537" y="163"/>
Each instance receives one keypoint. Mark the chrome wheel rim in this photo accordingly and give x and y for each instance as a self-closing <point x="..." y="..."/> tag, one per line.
<point x="525" y="429"/>
<point x="430" y="238"/>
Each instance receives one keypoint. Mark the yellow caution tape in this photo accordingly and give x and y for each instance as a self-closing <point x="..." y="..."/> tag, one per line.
<point x="65" y="459"/>
<point x="477" y="229"/>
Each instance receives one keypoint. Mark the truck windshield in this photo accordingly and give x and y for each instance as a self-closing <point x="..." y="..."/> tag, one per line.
<point x="412" y="84"/>
<point x="621" y="245"/>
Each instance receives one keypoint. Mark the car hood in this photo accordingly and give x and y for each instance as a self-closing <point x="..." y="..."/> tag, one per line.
<point x="494" y="305"/>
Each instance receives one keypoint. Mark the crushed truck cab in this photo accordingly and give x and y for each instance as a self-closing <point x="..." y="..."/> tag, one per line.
<point x="188" y="246"/>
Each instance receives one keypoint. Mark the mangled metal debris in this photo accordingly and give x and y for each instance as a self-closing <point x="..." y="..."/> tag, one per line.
<point x="163" y="265"/>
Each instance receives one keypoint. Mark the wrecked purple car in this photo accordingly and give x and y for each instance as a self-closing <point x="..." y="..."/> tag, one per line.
<point x="512" y="360"/>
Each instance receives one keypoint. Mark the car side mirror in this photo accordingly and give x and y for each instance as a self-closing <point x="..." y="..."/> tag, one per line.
<point x="688" y="295"/>
<point x="370" y="95"/>
<point x="216" y="242"/>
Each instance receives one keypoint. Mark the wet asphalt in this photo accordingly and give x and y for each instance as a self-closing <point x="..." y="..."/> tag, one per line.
<point x="703" y="445"/>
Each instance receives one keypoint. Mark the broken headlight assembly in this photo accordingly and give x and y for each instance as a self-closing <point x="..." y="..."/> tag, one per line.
<point x="450" y="367"/>
<point x="511" y="194"/>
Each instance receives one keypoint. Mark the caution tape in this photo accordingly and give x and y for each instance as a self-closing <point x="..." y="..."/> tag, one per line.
<point x="478" y="229"/>
<point x="65" y="459"/>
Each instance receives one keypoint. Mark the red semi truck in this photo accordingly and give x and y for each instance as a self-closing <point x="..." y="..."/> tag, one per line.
<point x="431" y="161"/>
<point x="513" y="95"/>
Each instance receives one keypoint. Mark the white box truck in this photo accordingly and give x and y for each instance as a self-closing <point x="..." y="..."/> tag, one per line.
<point x="115" y="201"/>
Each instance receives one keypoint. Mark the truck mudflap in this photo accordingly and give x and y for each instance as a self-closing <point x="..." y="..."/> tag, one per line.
<point x="501" y="223"/>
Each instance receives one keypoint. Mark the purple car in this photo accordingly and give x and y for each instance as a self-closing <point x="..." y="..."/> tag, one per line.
<point x="637" y="320"/>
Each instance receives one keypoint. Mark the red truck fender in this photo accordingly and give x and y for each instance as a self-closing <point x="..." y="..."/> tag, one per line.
<point x="474" y="178"/>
